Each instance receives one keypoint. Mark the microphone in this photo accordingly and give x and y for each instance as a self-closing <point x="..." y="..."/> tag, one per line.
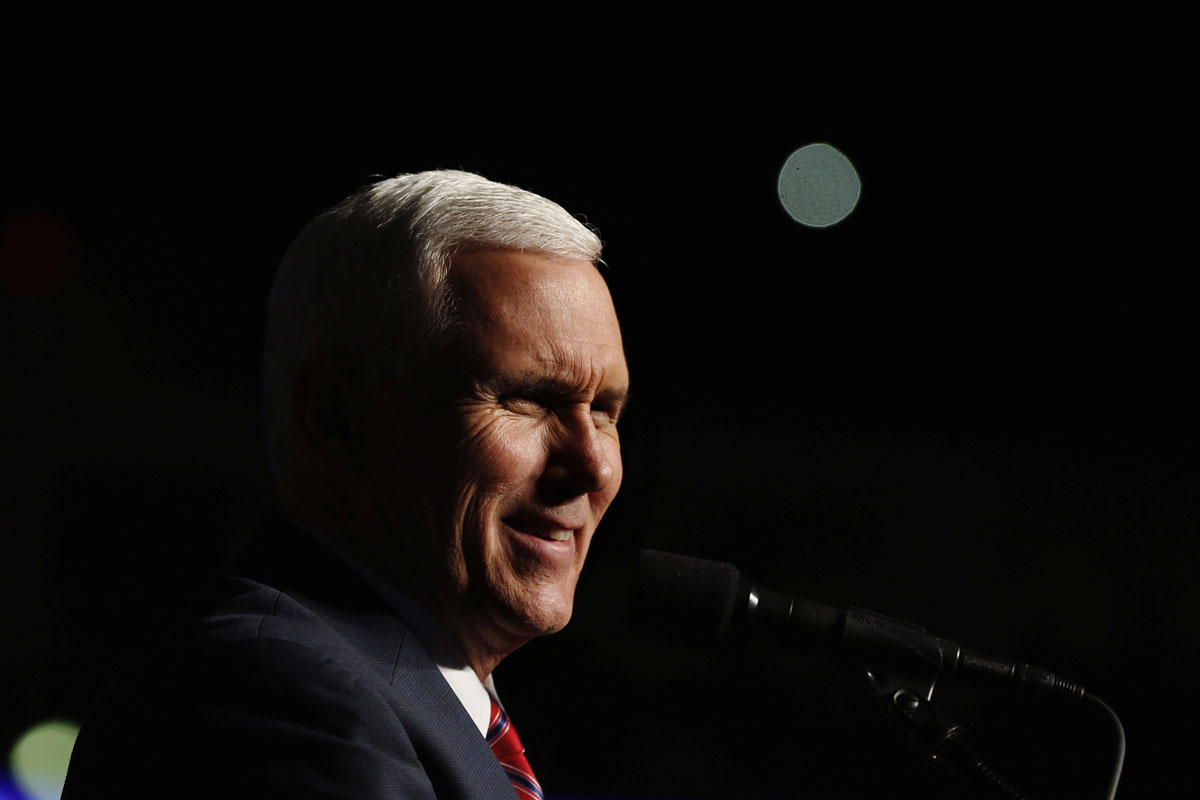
<point x="712" y="602"/>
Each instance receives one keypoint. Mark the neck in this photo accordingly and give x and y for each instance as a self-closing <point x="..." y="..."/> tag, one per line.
<point x="482" y="641"/>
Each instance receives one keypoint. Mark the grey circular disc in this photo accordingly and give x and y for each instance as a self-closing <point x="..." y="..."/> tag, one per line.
<point x="818" y="186"/>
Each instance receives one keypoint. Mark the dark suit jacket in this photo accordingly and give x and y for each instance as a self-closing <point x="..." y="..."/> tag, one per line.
<point x="293" y="680"/>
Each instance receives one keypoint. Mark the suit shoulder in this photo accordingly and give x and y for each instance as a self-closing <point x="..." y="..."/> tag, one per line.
<point x="260" y="688"/>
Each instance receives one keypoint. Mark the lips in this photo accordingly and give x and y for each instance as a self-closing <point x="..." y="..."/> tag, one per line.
<point x="550" y="530"/>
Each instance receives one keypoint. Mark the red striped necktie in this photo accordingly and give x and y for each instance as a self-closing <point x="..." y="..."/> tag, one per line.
<point x="502" y="736"/>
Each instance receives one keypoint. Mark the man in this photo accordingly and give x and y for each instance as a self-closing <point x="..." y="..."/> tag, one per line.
<point x="443" y="377"/>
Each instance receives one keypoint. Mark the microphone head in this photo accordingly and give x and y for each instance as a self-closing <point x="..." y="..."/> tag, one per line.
<point x="685" y="597"/>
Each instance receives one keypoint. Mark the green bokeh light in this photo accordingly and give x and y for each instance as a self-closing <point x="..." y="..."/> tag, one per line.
<point x="39" y="758"/>
<point x="818" y="186"/>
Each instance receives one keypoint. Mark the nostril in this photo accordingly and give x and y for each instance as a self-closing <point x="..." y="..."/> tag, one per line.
<point x="574" y="474"/>
<point x="579" y="460"/>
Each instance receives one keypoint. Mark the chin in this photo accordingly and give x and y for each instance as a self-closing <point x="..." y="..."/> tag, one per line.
<point x="541" y="614"/>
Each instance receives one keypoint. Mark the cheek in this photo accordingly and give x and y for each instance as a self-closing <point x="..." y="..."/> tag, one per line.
<point x="500" y="460"/>
<point x="500" y="454"/>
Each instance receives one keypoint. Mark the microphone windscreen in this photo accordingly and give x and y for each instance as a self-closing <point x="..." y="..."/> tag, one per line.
<point x="685" y="597"/>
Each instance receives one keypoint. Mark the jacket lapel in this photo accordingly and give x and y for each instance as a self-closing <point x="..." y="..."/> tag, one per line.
<point x="457" y="757"/>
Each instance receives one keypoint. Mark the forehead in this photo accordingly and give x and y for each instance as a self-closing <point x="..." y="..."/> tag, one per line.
<point x="527" y="308"/>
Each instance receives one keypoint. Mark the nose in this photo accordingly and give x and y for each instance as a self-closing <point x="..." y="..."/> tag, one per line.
<point x="580" y="461"/>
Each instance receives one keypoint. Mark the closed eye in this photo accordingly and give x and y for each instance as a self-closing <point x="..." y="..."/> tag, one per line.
<point x="539" y="397"/>
<point x="611" y="404"/>
<point x="525" y="405"/>
<point x="603" y="416"/>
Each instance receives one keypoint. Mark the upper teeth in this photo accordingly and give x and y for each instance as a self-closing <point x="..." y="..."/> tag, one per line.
<point x="558" y="536"/>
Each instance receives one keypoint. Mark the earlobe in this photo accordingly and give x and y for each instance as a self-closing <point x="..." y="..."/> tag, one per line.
<point x="322" y="407"/>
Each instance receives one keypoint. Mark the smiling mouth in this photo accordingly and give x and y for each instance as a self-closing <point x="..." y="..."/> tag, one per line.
<point x="541" y="531"/>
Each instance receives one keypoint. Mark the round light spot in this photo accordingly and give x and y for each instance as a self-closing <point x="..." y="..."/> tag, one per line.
<point x="39" y="758"/>
<point x="818" y="186"/>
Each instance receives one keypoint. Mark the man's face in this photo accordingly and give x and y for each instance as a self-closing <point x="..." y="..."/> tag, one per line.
<point x="515" y="458"/>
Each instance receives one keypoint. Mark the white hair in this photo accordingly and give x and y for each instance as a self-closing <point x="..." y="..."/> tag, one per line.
<point x="373" y="271"/>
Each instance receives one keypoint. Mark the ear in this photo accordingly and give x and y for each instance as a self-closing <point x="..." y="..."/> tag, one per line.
<point x="322" y="402"/>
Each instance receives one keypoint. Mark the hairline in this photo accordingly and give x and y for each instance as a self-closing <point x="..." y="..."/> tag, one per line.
<point x="395" y="240"/>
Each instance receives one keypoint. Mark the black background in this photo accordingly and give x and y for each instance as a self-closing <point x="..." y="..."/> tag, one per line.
<point x="970" y="405"/>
